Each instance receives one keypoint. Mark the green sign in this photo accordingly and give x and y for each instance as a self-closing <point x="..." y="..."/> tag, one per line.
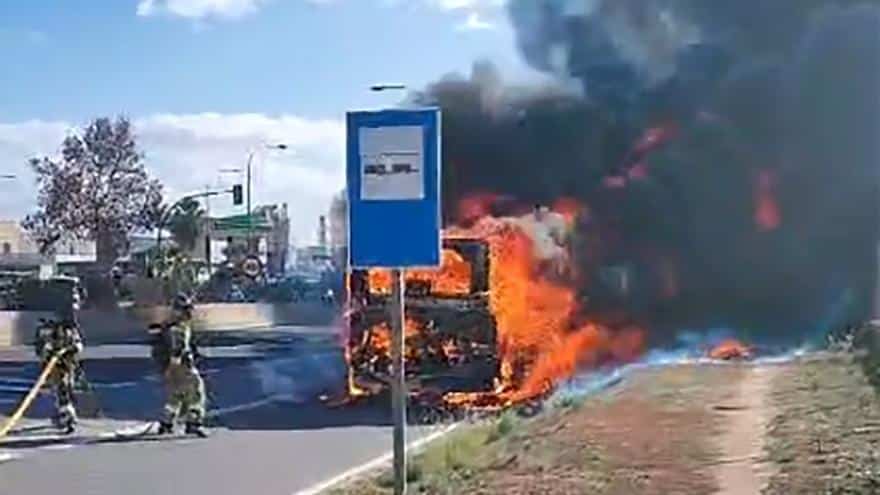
<point x="243" y="223"/>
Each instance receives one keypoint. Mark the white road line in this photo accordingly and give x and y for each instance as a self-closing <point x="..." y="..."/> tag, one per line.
<point x="4" y="457"/>
<point x="60" y="446"/>
<point x="374" y="464"/>
<point x="243" y="407"/>
<point x="138" y="427"/>
<point x="13" y="388"/>
<point x="113" y="385"/>
<point x="8" y="384"/>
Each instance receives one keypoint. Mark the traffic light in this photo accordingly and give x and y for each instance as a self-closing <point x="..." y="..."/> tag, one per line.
<point x="237" y="195"/>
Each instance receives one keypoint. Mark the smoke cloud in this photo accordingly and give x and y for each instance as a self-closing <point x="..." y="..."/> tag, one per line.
<point x="726" y="153"/>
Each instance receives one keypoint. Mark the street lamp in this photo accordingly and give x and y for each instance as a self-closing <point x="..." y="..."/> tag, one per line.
<point x="277" y="146"/>
<point x="386" y="87"/>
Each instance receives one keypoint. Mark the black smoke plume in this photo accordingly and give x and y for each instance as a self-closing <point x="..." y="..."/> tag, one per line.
<point x="761" y="209"/>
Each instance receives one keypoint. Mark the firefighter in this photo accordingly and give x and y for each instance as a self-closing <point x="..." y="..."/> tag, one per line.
<point x="62" y="337"/>
<point x="176" y="355"/>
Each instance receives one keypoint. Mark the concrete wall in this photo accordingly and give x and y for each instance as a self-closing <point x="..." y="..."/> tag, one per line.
<point x="129" y="325"/>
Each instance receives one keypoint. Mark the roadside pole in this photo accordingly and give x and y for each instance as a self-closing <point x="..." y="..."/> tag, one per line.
<point x="393" y="182"/>
<point x="398" y="387"/>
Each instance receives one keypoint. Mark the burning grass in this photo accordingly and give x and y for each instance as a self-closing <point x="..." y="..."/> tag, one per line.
<point x="731" y="350"/>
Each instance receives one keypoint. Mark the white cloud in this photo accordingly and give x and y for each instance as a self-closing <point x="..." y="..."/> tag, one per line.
<point x="475" y="22"/>
<point x="187" y="152"/>
<point x="470" y="5"/>
<point x="480" y="14"/>
<point x="198" y="9"/>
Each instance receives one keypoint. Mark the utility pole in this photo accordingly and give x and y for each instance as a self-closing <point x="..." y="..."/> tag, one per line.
<point x="208" y="229"/>
<point x="250" y="161"/>
<point x="248" y="200"/>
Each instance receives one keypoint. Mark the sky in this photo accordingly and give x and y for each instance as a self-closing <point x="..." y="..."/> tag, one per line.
<point x="207" y="81"/>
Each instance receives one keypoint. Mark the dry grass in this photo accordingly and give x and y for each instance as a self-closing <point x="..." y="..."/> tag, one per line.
<point x="825" y="437"/>
<point x="654" y="434"/>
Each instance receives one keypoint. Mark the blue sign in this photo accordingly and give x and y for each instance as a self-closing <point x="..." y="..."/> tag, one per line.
<point x="393" y="180"/>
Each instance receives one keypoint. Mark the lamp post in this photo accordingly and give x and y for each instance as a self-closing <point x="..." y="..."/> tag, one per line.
<point x="386" y="87"/>
<point x="250" y="160"/>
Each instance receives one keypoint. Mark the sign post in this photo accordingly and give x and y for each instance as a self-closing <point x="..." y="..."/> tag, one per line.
<point x="393" y="183"/>
<point x="398" y="385"/>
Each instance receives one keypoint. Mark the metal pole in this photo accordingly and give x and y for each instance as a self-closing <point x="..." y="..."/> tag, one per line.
<point x="158" y="257"/>
<point x="207" y="234"/>
<point x="398" y="384"/>
<point x="249" y="234"/>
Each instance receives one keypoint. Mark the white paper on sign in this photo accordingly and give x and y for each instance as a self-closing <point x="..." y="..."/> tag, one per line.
<point x="392" y="163"/>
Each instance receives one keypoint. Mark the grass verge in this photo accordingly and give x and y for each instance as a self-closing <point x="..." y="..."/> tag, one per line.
<point x="653" y="434"/>
<point x="825" y="437"/>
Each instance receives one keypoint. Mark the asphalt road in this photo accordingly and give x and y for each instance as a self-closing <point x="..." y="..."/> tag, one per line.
<point x="270" y="432"/>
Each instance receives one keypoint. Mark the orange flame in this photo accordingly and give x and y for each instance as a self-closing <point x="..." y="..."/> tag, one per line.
<point x="568" y="208"/>
<point x="539" y="338"/>
<point x="475" y="206"/>
<point x="767" y="214"/>
<point x="543" y="334"/>
<point x="453" y="277"/>
<point x="730" y="350"/>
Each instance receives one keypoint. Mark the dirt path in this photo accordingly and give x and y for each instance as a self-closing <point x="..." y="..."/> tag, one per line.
<point x="747" y="411"/>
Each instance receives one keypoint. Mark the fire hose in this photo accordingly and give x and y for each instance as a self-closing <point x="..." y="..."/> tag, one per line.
<point x="32" y="394"/>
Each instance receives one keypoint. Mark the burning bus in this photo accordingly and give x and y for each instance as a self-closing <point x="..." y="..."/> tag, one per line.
<point x="501" y="322"/>
<point x="450" y="329"/>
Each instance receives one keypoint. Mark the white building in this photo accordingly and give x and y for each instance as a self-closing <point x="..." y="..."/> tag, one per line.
<point x="19" y="249"/>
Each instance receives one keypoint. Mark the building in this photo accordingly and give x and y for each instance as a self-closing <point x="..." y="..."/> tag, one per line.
<point x="19" y="251"/>
<point x="313" y="258"/>
<point x="277" y="239"/>
<point x="14" y="240"/>
<point x="321" y="258"/>
<point x="338" y="229"/>
<point x="338" y="215"/>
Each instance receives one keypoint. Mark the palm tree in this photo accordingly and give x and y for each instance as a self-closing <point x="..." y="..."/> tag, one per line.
<point x="186" y="223"/>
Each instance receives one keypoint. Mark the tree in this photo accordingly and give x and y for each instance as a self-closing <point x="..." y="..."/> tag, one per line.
<point x="185" y="223"/>
<point x="98" y="190"/>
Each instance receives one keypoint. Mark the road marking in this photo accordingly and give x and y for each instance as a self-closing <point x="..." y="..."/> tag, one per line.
<point x="4" y="457"/>
<point x="112" y="385"/>
<point x="60" y="446"/>
<point x="14" y="389"/>
<point x="243" y="407"/>
<point x="374" y="464"/>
